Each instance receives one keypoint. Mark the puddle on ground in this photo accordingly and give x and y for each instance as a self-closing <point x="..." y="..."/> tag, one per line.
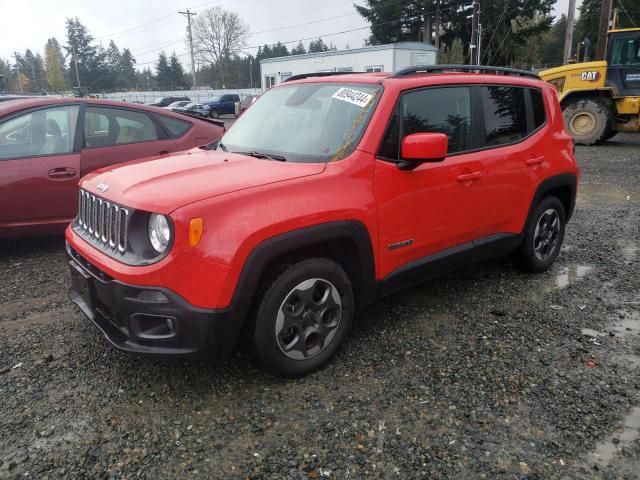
<point x="597" y="193"/>
<point x="607" y="449"/>
<point x="571" y="274"/>
<point x="562" y="278"/>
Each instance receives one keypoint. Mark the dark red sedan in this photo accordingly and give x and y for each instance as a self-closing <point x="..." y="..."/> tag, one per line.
<point x="47" y="144"/>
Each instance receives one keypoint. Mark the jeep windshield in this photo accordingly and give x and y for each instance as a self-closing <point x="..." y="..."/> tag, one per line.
<point x="311" y="122"/>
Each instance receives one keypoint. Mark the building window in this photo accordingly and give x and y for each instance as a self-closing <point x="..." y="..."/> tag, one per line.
<point x="284" y="76"/>
<point x="345" y="69"/>
<point x="269" y="81"/>
<point x="374" y="68"/>
<point x="420" y="59"/>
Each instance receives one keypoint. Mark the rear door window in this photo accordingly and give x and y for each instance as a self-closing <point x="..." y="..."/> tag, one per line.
<point x="505" y="114"/>
<point x="106" y="127"/>
<point x="442" y="110"/>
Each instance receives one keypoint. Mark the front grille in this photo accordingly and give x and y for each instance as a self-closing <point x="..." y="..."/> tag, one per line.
<point x="103" y="222"/>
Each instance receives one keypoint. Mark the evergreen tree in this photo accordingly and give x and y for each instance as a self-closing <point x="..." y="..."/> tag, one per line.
<point x="177" y="73"/>
<point x="163" y="72"/>
<point x="54" y="62"/>
<point x="127" y="69"/>
<point x="298" y="49"/>
<point x="318" y="46"/>
<point x="89" y="57"/>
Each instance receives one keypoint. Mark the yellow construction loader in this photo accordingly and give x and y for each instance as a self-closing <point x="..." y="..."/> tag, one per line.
<point x="600" y="99"/>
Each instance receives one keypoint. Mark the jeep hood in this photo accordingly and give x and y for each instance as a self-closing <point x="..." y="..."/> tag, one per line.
<point x="166" y="183"/>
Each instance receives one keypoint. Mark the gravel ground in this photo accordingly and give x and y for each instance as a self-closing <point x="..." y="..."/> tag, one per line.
<point x="487" y="373"/>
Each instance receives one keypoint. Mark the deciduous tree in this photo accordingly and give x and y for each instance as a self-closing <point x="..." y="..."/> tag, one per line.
<point x="218" y="35"/>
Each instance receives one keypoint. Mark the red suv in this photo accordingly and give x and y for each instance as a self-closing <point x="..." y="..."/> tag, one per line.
<point x="47" y="144"/>
<point x="329" y="192"/>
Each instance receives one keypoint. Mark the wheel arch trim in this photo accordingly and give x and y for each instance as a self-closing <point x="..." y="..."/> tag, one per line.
<point x="309" y="237"/>
<point x="561" y="181"/>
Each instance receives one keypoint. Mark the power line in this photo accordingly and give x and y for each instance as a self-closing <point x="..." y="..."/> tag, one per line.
<point x="633" y="24"/>
<point x="506" y="6"/>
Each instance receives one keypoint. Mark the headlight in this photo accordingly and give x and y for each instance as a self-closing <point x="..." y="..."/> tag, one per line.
<point x="159" y="232"/>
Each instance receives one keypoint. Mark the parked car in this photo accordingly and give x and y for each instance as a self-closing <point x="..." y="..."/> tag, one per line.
<point x="165" y="101"/>
<point x="47" y="144"/>
<point x="193" y="108"/>
<point x="178" y="104"/>
<point x="247" y="101"/>
<point x="221" y="105"/>
<point x="325" y="195"/>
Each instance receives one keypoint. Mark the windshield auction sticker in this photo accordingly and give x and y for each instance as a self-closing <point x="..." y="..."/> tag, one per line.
<point x="350" y="95"/>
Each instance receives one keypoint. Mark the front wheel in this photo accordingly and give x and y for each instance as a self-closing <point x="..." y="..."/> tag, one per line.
<point x="543" y="236"/>
<point x="214" y="113"/>
<point x="588" y="120"/>
<point x="303" y="318"/>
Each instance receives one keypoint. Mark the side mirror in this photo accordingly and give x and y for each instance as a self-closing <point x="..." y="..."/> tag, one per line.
<point x="419" y="148"/>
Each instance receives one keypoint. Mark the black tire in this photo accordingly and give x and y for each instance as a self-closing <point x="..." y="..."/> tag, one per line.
<point x="311" y="311"/>
<point x="607" y="135"/>
<point x="532" y="255"/>
<point x="587" y="120"/>
<point x="214" y="113"/>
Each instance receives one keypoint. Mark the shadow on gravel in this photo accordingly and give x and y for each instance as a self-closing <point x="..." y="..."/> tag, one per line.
<point x="33" y="245"/>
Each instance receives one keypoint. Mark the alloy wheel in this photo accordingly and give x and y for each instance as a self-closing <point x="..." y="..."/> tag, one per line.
<point x="546" y="234"/>
<point x="308" y="319"/>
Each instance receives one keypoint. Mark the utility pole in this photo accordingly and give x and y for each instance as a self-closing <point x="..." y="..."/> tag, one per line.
<point x="473" y="46"/>
<point x="15" y="55"/>
<point x="75" y="63"/>
<point x="479" y="53"/>
<point x="427" y="32"/>
<point x="437" y="26"/>
<point x="568" y="35"/>
<point x="189" y="14"/>
<point x="605" y="14"/>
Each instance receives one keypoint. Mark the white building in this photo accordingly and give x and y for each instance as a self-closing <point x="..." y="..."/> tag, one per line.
<point x="376" y="58"/>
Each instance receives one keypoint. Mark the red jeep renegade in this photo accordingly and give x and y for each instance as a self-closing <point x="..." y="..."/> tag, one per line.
<point x="329" y="192"/>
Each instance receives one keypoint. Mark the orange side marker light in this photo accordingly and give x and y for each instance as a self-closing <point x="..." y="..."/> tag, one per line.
<point x="196" y="226"/>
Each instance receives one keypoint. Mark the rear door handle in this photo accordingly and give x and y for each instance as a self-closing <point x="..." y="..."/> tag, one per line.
<point x="467" y="177"/>
<point x="162" y="152"/>
<point x="535" y="161"/>
<point x="62" y="173"/>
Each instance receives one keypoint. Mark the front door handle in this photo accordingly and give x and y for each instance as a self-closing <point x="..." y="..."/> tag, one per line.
<point x="534" y="161"/>
<point x="467" y="177"/>
<point x="62" y="173"/>
<point x="162" y="152"/>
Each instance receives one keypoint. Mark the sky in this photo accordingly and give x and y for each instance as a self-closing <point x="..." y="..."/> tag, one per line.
<point x="147" y="27"/>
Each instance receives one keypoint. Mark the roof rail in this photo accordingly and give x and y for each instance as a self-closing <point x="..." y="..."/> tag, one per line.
<point x="317" y="74"/>
<point x="464" y="68"/>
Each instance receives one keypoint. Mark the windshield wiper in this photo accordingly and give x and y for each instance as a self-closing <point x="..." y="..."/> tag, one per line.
<point x="268" y="156"/>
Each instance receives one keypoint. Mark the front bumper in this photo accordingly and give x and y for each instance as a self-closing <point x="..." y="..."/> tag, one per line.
<point x="158" y="322"/>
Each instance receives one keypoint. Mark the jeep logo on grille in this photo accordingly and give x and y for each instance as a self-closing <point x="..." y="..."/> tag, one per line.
<point x="103" y="187"/>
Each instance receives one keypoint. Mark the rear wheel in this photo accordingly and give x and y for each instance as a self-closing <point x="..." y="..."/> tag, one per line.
<point x="543" y="236"/>
<point x="588" y="120"/>
<point x="609" y="134"/>
<point x="303" y="318"/>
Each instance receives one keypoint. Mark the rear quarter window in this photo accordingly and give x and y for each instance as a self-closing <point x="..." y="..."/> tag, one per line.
<point x="505" y="114"/>
<point x="537" y="104"/>
<point x="176" y="127"/>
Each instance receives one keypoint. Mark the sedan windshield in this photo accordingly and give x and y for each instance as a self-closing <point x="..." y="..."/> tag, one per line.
<point x="313" y="122"/>
<point x="215" y="99"/>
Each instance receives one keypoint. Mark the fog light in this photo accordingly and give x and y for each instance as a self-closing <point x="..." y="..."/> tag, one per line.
<point x="152" y="296"/>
